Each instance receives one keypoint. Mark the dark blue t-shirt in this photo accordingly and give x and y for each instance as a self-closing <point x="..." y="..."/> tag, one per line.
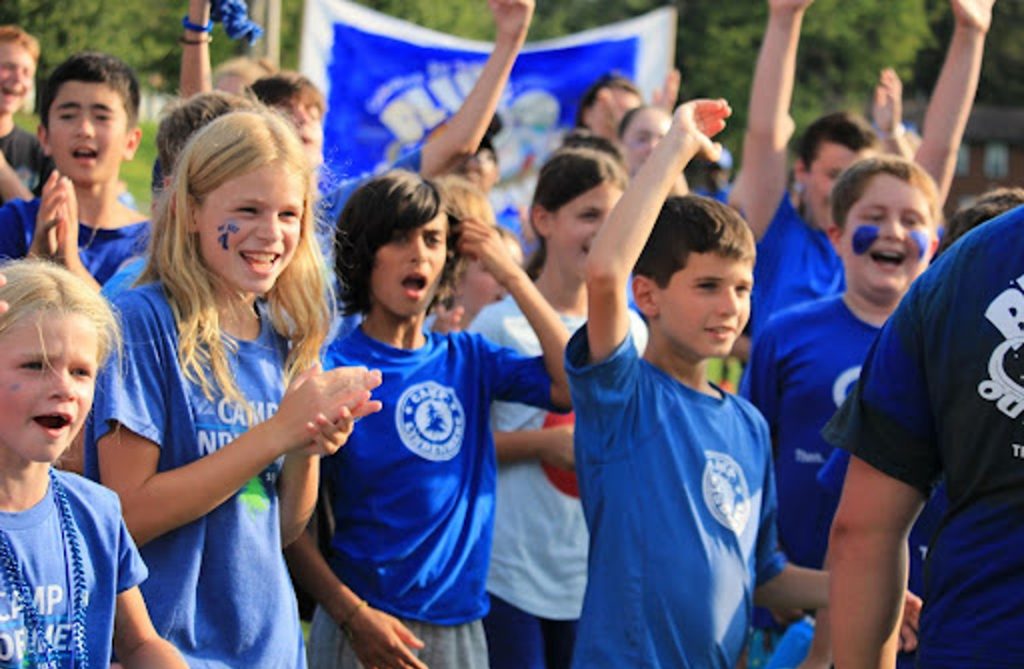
<point x="941" y="396"/>
<point x="102" y="250"/>
<point x="802" y="366"/>
<point x="795" y="263"/>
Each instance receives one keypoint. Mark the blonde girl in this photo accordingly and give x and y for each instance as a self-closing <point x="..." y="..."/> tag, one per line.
<point x="68" y="568"/>
<point x="211" y="425"/>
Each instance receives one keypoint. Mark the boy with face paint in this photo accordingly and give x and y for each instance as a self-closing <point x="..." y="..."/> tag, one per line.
<point x="886" y="216"/>
<point x="795" y="261"/>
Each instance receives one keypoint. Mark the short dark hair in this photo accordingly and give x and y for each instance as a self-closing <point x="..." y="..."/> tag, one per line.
<point x="609" y="80"/>
<point x="843" y="128"/>
<point x="381" y="209"/>
<point x="184" y="116"/>
<point x="93" y="67"/>
<point x="286" y="87"/>
<point x="692" y="224"/>
<point x="987" y="206"/>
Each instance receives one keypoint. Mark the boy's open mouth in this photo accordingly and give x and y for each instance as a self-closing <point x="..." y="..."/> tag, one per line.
<point x="54" y="421"/>
<point x="84" y="153"/>
<point x="888" y="257"/>
<point x="414" y="282"/>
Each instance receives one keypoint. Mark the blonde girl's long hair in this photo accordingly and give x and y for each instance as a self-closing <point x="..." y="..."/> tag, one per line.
<point x="300" y="301"/>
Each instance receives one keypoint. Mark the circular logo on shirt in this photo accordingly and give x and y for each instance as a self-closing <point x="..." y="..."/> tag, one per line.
<point x="844" y="384"/>
<point x="725" y="491"/>
<point x="431" y="421"/>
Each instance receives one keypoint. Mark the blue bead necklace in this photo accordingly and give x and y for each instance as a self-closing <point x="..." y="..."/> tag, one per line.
<point x="40" y="652"/>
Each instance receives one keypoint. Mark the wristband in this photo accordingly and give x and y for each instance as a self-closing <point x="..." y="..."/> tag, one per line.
<point x="205" y="39"/>
<point x="898" y="132"/>
<point x="350" y="615"/>
<point x="188" y="25"/>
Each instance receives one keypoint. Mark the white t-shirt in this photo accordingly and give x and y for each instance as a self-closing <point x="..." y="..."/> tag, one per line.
<point x="539" y="556"/>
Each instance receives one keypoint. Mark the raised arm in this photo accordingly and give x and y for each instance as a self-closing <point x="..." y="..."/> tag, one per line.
<point x="195" y="75"/>
<point x="951" y="102"/>
<point x="887" y="114"/>
<point x="481" y="240"/>
<point x="618" y="243"/>
<point x="156" y="502"/>
<point x="762" y="178"/>
<point x="868" y="552"/>
<point x="462" y="134"/>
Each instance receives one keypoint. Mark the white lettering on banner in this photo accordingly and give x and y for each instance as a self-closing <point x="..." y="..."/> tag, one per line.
<point x="1018" y="450"/>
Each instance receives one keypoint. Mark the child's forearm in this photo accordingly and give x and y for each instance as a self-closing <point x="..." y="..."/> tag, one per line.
<point x="195" y="75"/>
<point x="551" y="445"/>
<point x="794" y="588"/>
<point x="157" y="653"/>
<point x="547" y="326"/>
<point x="621" y="239"/>
<point x="297" y="490"/>
<point x="315" y="577"/>
<point x="762" y="179"/>
<point x="463" y="133"/>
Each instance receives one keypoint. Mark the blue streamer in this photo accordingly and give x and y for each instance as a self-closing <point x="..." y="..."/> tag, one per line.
<point x="234" y="14"/>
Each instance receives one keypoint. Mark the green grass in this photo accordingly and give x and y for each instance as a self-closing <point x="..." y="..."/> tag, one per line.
<point x="137" y="173"/>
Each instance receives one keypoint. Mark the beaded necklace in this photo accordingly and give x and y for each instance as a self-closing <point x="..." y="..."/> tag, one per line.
<point x="14" y="577"/>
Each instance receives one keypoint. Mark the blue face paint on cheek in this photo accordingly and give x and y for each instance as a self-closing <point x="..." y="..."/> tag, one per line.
<point x="922" y="240"/>
<point x="863" y="238"/>
<point x="14" y="387"/>
<point x="226" y="230"/>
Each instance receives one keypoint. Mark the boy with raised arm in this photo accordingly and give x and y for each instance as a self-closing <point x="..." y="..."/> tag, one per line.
<point x="796" y="262"/>
<point x="675" y="475"/>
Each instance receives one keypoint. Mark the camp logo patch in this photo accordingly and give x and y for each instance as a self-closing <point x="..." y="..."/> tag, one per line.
<point x="726" y="493"/>
<point x="431" y="421"/>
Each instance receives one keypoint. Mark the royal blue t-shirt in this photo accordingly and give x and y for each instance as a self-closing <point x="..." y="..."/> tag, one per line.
<point x="940" y="397"/>
<point x="111" y="564"/>
<point x="802" y="366"/>
<point x="218" y="586"/>
<point x="102" y="250"/>
<point x="795" y="263"/>
<point x="679" y="497"/>
<point x="414" y="486"/>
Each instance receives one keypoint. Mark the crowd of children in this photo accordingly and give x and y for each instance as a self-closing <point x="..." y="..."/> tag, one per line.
<point x="355" y="389"/>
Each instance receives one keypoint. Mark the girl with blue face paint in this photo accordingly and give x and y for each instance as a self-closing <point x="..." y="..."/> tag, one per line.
<point x="886" y="216"/>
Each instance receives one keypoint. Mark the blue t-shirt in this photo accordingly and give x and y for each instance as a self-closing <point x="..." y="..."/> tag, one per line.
<point x="679" y="497"/>
<point x="801" y="368"/>
<point x="111" y="563"/>
<point x="795" y="263"/>
<point x="218" y="586"/>
<point x="414" y="485"/>
<point x="940" y="396"/>
<point x="102" y="250"/>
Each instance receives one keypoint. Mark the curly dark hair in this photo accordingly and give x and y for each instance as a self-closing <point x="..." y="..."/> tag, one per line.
<point x="381" y="210"/>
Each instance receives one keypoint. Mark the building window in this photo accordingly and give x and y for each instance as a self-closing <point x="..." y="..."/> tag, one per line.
<point x="997" y="160"/>
<point x="963" y="160"/>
